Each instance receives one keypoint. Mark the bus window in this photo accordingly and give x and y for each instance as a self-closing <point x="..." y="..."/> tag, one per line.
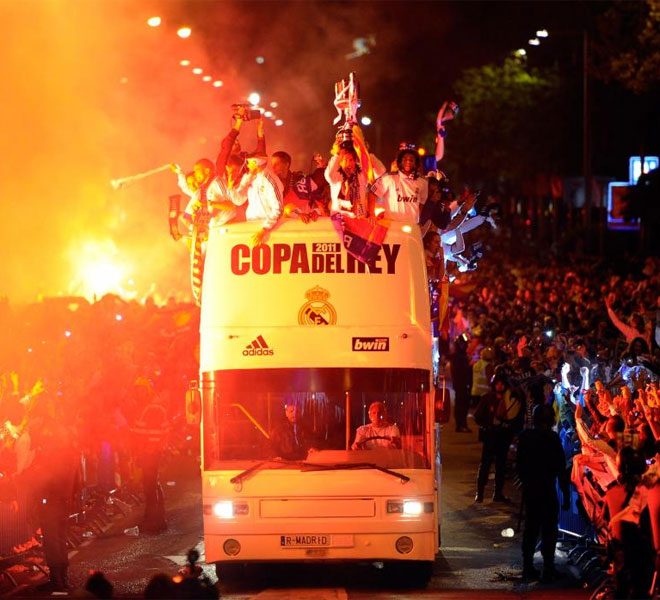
<point x="318" y="427"/>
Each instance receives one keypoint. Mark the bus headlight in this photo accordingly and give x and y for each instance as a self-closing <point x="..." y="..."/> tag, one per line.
<point x="406" y="507"/>
<point x="412" y="507"/>
<point x="226" y="509"/>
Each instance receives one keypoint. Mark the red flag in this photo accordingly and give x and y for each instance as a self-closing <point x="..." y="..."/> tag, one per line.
<point x="361" y="239"/>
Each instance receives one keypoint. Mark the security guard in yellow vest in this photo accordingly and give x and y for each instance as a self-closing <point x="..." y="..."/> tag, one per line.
<point x="482" y="373"/>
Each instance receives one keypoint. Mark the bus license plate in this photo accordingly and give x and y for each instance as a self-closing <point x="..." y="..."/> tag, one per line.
<point x="320" y="540"/>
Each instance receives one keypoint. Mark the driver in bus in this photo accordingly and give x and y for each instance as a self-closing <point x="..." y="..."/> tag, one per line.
<point x="379" y="433"/>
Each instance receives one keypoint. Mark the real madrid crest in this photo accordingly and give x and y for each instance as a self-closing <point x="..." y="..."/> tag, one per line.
<point x="317" y="310"/>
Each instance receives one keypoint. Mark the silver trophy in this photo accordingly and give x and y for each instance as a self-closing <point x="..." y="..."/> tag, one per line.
<point x="347" y="102"/>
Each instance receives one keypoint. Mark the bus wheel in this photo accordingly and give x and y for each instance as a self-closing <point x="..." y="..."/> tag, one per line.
<point x="229" y="572"/>
<point x="408" y="574"/>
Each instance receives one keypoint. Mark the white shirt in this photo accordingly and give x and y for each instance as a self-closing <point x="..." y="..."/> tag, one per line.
<point x="369" y="431"/>
<point x="263" y="193"/>
<point x="334" y="177"/>
<point x="402" y="195"/>
<point x="216" y="192"/>
<point x="183" y="184"/>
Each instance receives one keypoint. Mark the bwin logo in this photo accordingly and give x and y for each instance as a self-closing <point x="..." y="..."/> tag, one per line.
<point x="371" y="344"/>
<point x="258" y="347"/>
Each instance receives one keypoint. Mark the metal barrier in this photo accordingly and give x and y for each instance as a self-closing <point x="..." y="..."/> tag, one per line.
<point x="94" y="511"/>
<point x="14" y="527"/>
<point x="572" y="522"/>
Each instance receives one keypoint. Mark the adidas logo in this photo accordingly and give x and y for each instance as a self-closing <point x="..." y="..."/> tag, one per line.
<point x="258" y="347"/>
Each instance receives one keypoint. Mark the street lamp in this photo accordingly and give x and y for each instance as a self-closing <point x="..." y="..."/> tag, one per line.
<point x="586" y="120"/>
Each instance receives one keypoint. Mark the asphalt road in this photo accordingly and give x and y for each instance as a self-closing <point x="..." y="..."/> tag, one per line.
<point x="475" y="561"/>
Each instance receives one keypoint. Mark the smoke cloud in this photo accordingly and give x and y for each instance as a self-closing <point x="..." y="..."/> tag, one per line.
<point x="92" y="93"/>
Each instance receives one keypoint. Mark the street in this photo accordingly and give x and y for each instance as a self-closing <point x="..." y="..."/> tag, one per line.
<point x="475" y="558"/>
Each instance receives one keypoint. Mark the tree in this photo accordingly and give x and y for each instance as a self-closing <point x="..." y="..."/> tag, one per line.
<point x="511" y="124"/>
<point x="626" y="45"/>
<point x="626" y="51"/>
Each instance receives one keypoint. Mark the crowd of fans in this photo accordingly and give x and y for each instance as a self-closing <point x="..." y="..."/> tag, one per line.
<point x="582" y="337"/>
<point x="75" y="378"/>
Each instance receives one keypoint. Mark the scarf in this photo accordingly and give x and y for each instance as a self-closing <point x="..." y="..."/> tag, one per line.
<point x="201" y="219"/>
<point x="350" y="190"/>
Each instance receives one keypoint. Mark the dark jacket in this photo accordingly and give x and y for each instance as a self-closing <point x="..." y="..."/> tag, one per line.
<point x="289" y="443"/>
<point x="461" y="371"/>
<point x="540" y="461"/>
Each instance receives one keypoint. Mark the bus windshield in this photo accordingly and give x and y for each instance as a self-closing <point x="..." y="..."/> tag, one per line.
<point x="326" y="426"/>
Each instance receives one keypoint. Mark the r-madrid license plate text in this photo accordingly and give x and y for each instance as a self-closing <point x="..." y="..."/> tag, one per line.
<point x="305" y="541"/>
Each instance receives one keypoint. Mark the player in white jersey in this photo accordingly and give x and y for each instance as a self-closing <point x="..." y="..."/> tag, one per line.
<point x="263" y="191"/>
<point x="210" y="195"/>
<point x="402" y="194"/>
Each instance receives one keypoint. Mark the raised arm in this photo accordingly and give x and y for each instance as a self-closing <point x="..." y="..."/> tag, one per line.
<point x="226" y="145"/>
<point x="181" y="180"/>
<point x="332" y="174"/>
<point x="261" y="138"/>
<point x="628" y="332"/>
<point x="441" y="132"/>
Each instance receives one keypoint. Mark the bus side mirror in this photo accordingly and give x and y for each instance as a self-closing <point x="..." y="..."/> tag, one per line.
<point x="193" y="405"/>
<point x="442" y="404"/>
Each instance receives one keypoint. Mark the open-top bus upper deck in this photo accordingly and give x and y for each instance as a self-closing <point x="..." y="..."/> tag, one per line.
<point x="302" y="301"/>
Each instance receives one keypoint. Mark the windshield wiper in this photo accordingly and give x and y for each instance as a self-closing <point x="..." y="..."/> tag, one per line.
<point x="307" y="466"/>
<point x="241" y="476"/>
<point x="348" y="466"/>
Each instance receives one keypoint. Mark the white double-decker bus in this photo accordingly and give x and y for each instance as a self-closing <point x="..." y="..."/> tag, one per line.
<point x="300" y="322"/>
